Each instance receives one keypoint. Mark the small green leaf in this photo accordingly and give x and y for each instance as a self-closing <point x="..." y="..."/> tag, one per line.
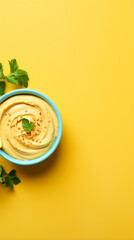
<point x="1" y="180"/>
<point x="20" y="81"/>
<point x="9" y="178"/>
<point x="12" y="174"/>
<point x="27" y="126"/>
<point x="20" y="73"/>
<point x="2" y="171"/>
<point x="2" y="88"/>
<point x="12" y="79"/>
<point x="16" y="76"/>
<point x="25" y="80"/>
<point x="16" y="181"/>
<point x="13" y="65"/>
<point x="22" y="77"/>
<point x="1" y="71"/>
<point x="8" y="183"/>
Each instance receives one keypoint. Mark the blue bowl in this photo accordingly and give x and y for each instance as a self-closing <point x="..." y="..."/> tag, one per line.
<point x="57" y="140"/>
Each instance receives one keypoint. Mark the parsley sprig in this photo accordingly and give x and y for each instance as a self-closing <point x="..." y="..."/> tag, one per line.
<point x="27" y="126"/>
<point x="16" y="76"/>
<point x="9" y="179"/>
<point x="2" y="88"/>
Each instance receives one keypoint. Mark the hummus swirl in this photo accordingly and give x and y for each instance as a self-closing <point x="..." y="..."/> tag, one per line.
<point x="15" y="141"/>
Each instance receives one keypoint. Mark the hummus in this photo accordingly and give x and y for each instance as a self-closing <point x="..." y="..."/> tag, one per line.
<point x="15" y="141"/>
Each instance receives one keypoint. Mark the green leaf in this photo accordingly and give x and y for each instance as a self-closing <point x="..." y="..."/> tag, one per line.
<point x="12" y="174"/>
<point x="2" y="88"/>
<point x="1" y="71"/>
<point x="25" y="81"/>
<point x="20" y="81"/>
<point x="9" y="179"/>
<point x="1" y="180"/>
<point x="2" y="171"/>
<point x="27" y="126"/>
<point x="13" y="65"/>
<point x="20" y="73"/>
<point x="16" y="181"/>
<point x="16" y="76"/>
<point x="8" y="183"/>
<point x="12" y="79"/>
<point x="22" y="77"/>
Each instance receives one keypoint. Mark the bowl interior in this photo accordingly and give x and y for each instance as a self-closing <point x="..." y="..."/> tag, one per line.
<point x="57" y="140"/>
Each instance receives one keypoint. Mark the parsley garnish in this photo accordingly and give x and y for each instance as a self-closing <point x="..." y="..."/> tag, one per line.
<point x="2" y="88"/>
<point x="17" y="76"/>
<point x="27" y="126"/>
<point x="9" y="179"/>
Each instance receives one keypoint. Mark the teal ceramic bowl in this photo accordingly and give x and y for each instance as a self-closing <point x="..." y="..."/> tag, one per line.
<point x="57" y="140"/>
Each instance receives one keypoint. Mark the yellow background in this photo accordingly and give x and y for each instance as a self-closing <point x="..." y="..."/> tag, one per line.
<point x="80" y="54"/>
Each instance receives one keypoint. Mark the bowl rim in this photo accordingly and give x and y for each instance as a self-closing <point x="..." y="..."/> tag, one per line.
<point x="57" y="140"/>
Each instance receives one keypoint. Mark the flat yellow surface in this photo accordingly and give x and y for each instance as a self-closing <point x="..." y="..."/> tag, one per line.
<point x="80" y="54"/>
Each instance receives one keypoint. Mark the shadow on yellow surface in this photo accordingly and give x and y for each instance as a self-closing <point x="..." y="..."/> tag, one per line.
<point x="43" y="167"/>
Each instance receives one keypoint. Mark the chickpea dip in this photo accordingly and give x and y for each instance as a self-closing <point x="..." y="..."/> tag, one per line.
<point x="27" y="145"/>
